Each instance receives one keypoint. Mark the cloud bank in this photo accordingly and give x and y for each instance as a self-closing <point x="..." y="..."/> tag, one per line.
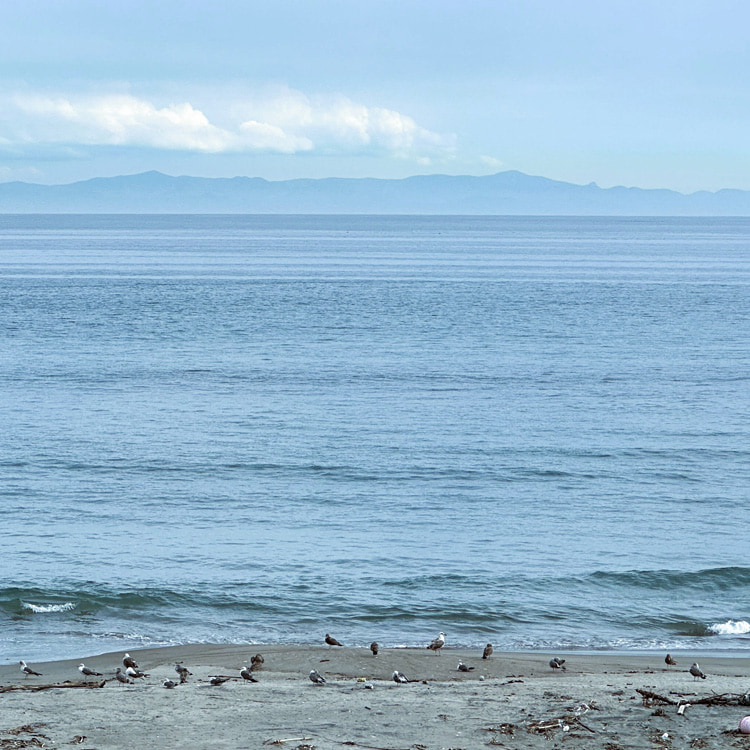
<point x="287" y="122"/>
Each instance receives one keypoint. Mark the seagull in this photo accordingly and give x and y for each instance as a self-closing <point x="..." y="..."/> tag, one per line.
<point x="219" y="680"/>
<point x="182" y="671"/>
<point x="135" y="673"/>
<point x="86" y="672"/>
<point x="256" y="661"/>
<point x="316" y="678"/>
<point x="121" y="678"/>
<point x="27" y="670"/>
<point x="487" y="651"/>
<point x="463" y="668"/>
<point x="374" y="648"/>
<point x="438" y="643"/>
<point x="169" y="684"/>
<point x="399" y="677"/>
<point x="696" y="671"/>
<point x="246" y="674"/>
<point x="557" y="663"/>
<point x="331" y="641"/>
<point x="669" y="660"/>
<point x="129" y="661"/>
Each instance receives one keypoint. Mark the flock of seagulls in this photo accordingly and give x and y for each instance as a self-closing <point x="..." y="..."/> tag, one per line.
<point x="133" y="672"/>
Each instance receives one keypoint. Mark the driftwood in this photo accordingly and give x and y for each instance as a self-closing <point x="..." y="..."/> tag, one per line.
<point x="52" y="686"/>
<point x="281" y="741"/>
<point x="717" y="699"/>
<point x="647" y="695"/>
<point x="565" y="723"/>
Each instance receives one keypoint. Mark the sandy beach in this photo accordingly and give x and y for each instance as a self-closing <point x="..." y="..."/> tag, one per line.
<point x="510" y="700"/>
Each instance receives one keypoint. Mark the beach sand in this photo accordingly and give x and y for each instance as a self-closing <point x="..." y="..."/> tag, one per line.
<point x="509" y="701"/>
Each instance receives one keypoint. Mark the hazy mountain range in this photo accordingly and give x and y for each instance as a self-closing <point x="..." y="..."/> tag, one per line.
<point x="503" y="193"/>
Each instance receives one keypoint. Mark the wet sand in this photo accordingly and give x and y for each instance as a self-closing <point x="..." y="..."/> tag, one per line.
<point x="512" y="700"/>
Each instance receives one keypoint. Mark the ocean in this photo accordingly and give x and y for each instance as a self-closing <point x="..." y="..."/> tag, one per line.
<point x="528" y="431"/>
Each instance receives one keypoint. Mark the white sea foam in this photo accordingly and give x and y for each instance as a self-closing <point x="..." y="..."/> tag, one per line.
<point x="38" y="608"/>
<point x="730" y="627"/>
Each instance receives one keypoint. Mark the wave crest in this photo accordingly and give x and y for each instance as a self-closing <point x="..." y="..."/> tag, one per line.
<point x="730" y="627"/>
<point x="41" y="608"/>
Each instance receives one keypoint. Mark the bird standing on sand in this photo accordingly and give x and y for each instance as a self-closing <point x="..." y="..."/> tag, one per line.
<point x="182" y="671"/>
<point x="135" y="673"/>
<point x="399" y="678"/>
<point x="129" y="661"/>
<point x="256" y="661"/>
<point x="331" y="641"/>
<point x="669" y="660"/>
<point x="246" y="674"/>
<point x="374" y="648"/>
<point x="697" y="672"/>
<point x="463" y="668"/>
<point x="122" y="678"/>
<point x="27" y="670"/>
<point x="169" y="684"/>
<point x="557" y="663"/>
<point x="487" y="651"/>
<point x="316" y="678"/>
<point x="86" y="672"/>
<point x="438" y="643"/>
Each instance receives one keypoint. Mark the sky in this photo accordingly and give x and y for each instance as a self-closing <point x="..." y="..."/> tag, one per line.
<point x="648" y="94"/>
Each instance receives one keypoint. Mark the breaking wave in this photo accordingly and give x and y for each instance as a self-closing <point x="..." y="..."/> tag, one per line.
<point x="41" y="608"/>
<point x="730" y="627"/>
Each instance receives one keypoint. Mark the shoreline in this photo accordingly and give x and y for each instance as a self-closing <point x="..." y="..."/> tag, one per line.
<point x="511" y="700"/>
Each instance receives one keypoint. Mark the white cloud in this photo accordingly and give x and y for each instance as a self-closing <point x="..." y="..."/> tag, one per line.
<point x="284" y="121"/>
<point x="263" y="135"/>
<point x="123" y="120"/>
<point x="491" y="161"/>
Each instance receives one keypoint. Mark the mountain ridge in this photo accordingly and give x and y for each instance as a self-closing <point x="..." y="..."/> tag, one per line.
<point x="503" y="193"/>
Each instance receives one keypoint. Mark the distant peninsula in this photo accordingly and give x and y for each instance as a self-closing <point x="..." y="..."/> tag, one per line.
<point x="505" y="193"/>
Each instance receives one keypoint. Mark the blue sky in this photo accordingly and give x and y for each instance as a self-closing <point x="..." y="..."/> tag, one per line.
<point x="651" y="94"/>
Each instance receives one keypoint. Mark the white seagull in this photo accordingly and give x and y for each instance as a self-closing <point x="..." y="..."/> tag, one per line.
<point x="316" y="678"/>
<point x="27" y="670"/>
<point x="697" y="672"/>
<point x="438" y="643"/>
<point x="121" y="678"/>
<point x="86" y="672"/>
<point x="399" y="677"/>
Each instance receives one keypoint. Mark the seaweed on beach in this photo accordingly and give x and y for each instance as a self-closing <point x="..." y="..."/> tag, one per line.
<point x="16" y="742"/>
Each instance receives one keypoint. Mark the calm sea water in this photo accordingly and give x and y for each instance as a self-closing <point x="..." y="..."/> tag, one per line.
<point x="529" y="431"/>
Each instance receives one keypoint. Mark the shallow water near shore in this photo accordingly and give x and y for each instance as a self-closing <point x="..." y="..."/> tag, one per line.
<point x="529" y="431"/>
